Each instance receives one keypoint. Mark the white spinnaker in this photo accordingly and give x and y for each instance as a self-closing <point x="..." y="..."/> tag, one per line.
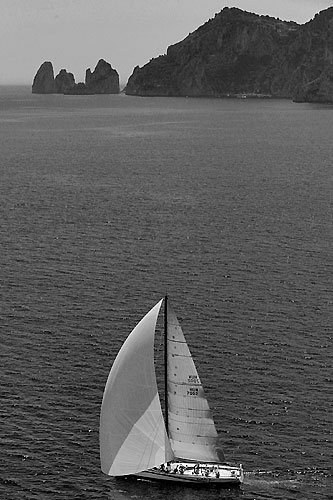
<point x="132" y="430"/>
<point x="192" y="431"/>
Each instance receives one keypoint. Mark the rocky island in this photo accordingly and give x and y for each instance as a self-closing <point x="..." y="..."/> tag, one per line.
<point x="103" y="80"/>
<point x="238" y="53"/>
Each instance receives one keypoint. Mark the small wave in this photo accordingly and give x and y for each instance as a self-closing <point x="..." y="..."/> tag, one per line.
<point x="270" y="479"/>
<point x="9" y="482"/>
<point x="290" y="479"/>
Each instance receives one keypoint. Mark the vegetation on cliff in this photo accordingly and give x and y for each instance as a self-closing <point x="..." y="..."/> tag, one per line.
<point x="238" y="52"/>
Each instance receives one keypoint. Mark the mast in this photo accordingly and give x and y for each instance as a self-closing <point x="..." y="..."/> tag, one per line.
<point x="166" y="364"/>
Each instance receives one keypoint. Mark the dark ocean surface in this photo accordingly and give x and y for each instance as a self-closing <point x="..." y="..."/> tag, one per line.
<point x="109" y="202"/>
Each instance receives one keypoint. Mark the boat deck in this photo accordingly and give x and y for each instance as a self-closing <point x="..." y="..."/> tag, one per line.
<point x="196" y="474"/>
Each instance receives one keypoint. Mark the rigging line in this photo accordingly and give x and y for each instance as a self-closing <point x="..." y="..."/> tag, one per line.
<point x="166" y="364"/>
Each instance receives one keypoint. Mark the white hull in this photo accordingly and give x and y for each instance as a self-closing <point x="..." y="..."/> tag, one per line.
<point x="208" y="474"/>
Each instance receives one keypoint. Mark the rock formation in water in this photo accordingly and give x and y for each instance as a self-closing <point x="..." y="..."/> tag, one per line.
<point x="44" y="80"/>
<point x="79" y="89"/>
<point x="64" y="81"/>
<point x="103" y="80"/>
<point x="240" y="53"/>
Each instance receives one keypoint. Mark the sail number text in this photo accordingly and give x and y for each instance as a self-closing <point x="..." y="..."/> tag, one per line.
<point x="193" y="380"/>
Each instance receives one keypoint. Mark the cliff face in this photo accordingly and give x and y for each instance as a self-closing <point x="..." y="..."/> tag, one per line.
<point x="103" y="80"/>
<point x="316" y="66"/>
<point x="242" y="53"/>
<point x="318" y="90"/>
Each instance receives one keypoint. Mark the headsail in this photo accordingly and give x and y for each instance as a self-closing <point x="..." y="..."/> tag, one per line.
<point x="132" y="430"/>
<point x="192" y="431"/>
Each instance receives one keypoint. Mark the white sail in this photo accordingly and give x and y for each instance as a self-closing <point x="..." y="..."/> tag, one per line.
<point x="192" y="431"/>
<point x="132" y="430"/>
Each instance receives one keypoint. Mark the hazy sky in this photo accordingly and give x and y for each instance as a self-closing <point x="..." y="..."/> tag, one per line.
<point x="75" y="34"/>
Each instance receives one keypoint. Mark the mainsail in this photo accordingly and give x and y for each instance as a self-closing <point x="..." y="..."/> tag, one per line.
<point x="192" y="432"/>
<point x="132" y="430"/>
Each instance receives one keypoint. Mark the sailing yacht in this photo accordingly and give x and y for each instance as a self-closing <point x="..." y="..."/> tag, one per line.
<point x="136" y="440"/>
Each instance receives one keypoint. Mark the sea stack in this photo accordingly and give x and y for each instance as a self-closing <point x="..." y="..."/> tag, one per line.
<point x="64" y="81"/>
<point x="103" y="80"/>
<point x="44" y="80"/>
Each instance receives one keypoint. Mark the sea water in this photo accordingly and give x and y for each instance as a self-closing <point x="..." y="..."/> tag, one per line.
<point x="109" y="202"/>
